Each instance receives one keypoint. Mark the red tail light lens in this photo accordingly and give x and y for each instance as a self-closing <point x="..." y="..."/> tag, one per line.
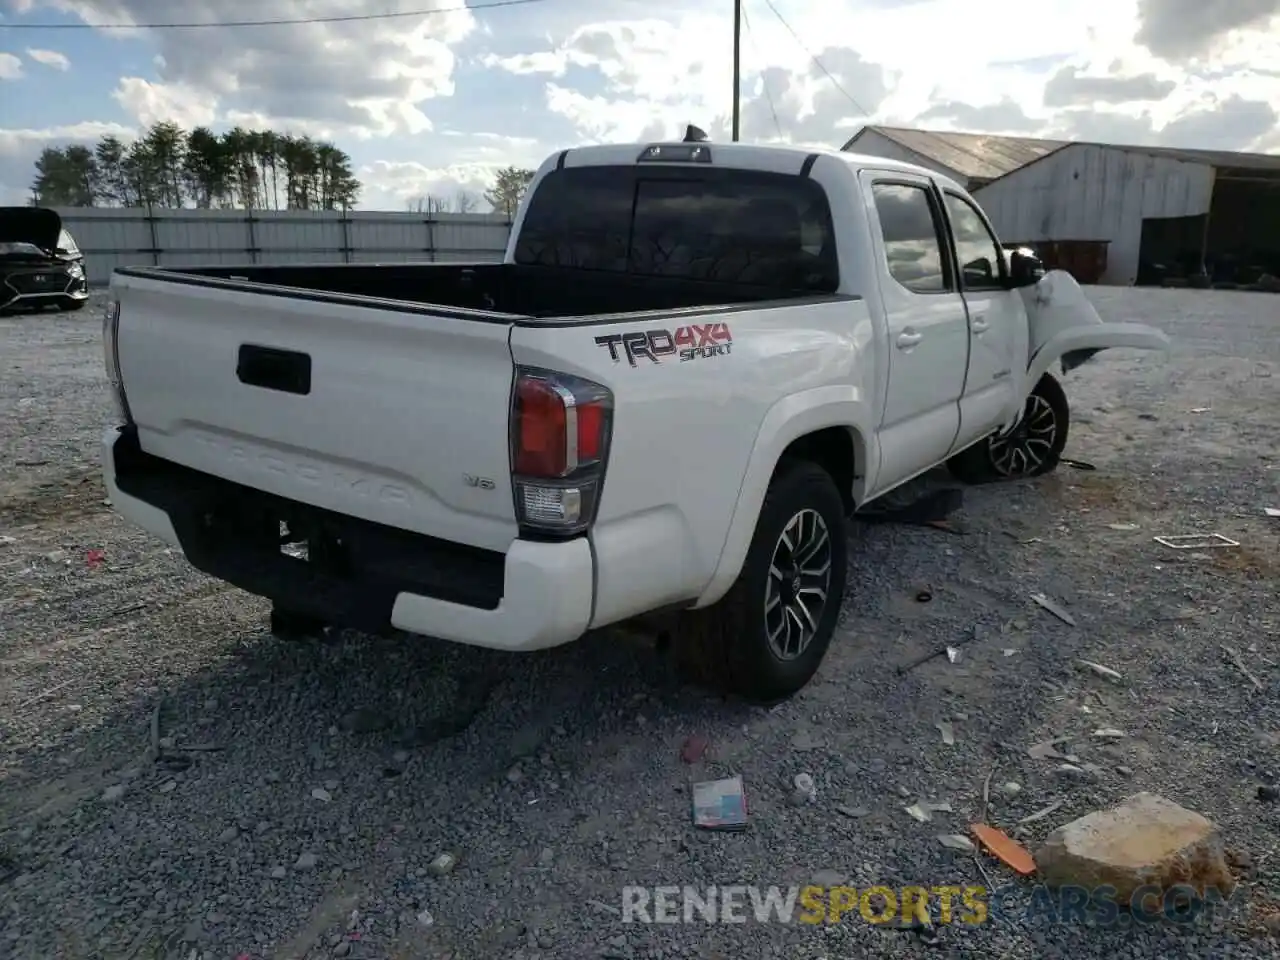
<point x="560" y="430"/>
<point x="541" y="435"/>
<point x="591" y="427"/>
<point x="561" y="424"/>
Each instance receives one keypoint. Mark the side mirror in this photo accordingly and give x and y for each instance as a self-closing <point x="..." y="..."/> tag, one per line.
<point x="1025" y="268"/>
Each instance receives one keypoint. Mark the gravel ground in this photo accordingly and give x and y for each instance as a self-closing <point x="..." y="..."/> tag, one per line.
<point x="330" y="775"/>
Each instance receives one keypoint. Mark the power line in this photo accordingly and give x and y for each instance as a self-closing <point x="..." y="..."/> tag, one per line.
<point x="764" y="81"/>
<point x="814" y="57"/>
<point x="349" y="18"/>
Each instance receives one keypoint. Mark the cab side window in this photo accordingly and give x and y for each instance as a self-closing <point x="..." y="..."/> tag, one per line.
<point x="977" y="251"/>
<point x="910" y="226"/>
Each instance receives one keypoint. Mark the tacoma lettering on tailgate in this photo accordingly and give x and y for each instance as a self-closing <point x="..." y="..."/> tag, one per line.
<point x="688" y="343"/>
<point x="252" y="461"/>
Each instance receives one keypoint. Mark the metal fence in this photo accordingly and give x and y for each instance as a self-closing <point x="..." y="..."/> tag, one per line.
<point x="116" y="237"/>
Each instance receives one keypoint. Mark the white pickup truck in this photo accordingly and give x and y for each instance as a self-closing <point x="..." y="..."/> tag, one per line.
<point x="694" y="363"/>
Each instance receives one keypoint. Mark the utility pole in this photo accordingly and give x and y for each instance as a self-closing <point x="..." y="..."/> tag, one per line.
<point x="737" y="65"/>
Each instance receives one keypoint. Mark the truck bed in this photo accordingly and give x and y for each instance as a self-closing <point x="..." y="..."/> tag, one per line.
<point x="512" y="291"/>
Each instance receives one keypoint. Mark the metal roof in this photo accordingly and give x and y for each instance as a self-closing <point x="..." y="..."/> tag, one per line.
<point x="988" y="156"/>
<point x="973" y="155"/>
<point x="1222" y="159"/>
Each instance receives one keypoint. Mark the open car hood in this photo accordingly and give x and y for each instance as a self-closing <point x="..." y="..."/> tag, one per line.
<point x="37" y="225"/>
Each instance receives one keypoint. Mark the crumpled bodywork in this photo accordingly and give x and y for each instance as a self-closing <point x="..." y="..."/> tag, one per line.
<point x="1065" y="327"/>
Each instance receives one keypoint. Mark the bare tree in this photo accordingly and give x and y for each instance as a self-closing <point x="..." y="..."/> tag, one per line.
<point x="427" y="203"/>
<point x="465" y="202"/>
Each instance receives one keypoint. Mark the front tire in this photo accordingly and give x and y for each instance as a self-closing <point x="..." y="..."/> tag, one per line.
<point x="72" y="304"/>
<point x="1031" y="449"/>
<point x="765" y="639"/>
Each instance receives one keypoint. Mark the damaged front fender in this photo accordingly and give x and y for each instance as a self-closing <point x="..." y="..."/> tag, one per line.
<point x="1078" y="345"/>
<point x="1063" y="326"/>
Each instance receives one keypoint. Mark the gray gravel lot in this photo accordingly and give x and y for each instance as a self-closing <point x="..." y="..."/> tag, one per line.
<point x="337" y="772"/>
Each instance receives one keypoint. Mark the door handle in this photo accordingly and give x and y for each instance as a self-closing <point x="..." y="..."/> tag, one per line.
<point x="978" y="324"/>
<point x="908" y="338"/>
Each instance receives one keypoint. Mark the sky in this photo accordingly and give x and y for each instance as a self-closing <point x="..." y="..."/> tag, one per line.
<point x="435" y="101"/>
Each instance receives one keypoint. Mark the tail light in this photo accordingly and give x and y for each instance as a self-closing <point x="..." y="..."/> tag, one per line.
<point x="560" y="431"/>
<point x="111" y="357"/>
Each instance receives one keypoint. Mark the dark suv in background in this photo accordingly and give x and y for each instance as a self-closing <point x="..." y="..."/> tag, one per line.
<point x="40" y="263"/>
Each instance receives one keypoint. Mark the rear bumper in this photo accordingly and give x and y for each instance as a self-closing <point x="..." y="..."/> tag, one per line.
<point x="534" y="596"/>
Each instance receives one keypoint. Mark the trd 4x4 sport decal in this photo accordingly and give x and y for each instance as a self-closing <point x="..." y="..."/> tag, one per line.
<point x="689" y="343"/>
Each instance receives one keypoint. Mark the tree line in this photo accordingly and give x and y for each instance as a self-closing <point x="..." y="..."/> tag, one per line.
<point x="171" y="167"/>
<point x="246" y="169"/>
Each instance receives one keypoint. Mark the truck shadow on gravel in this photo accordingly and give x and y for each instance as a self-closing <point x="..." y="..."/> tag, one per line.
<point x="300" y="781"/>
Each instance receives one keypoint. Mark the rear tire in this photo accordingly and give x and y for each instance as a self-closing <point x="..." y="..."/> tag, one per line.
<point x="765" y="639"/>
<point x="1031" y="449"/>
<point x="291" y="625"/>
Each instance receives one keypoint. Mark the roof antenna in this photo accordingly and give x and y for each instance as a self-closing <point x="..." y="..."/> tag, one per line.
<point x="694" y="134"/>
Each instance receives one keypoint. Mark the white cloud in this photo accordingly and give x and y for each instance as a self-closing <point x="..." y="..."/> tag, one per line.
<point x="1072" y="87"/>
<point x="20" y="147"/>
<point x="928" y="62"/>
<point x="657" y="75"/>
<point x="150" y="103"/>
<point x="10" y="66"/>
<point x="1178" y="29"/>
<point x="476" y="158"/>
<point x="50" y="58"/>
<point x="404" y="98"/>
<point x="366" y="77"/>
<point x="15" y="140"/>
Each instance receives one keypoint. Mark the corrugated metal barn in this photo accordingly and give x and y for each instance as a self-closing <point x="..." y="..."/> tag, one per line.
<point x="1114" y="214"/>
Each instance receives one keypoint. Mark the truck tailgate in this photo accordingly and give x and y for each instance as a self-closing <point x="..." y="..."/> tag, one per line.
<point x="391" y="415"/>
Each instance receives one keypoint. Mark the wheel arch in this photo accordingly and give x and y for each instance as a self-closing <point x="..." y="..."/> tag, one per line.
<point x="828" y="426"/>
<point x="1076" y="345"/>
<point x="836" y="450"/>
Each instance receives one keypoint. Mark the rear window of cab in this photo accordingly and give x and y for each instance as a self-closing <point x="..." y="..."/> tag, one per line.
<point x="722" y="225"/>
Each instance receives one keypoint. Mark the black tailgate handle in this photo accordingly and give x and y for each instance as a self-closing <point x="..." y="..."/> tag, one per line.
<point x="274" y="369"/>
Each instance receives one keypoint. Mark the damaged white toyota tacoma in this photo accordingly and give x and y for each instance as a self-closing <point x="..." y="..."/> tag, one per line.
<point x="694" y="363"/>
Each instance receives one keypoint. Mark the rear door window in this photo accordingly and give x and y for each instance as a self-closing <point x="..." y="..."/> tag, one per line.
<point x="725" y="226"/>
